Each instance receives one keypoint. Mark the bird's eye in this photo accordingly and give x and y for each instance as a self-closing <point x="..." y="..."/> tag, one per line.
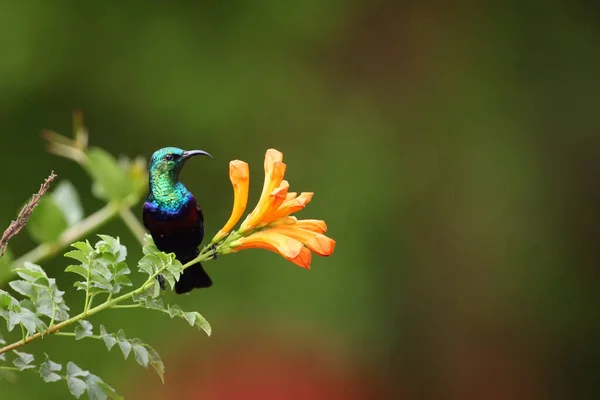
<point x="169" y="157"/>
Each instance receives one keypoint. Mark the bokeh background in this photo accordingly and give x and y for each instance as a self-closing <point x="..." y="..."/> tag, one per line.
<point x="452" y="149"/>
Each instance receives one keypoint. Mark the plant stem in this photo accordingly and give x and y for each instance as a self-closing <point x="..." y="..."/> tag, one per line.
<point x="127" y="306"/>
<point x="72" y="334"/>
<point x="82" y="228"/>
<point x="69" y="236"/>
<point x="206" y="254"/>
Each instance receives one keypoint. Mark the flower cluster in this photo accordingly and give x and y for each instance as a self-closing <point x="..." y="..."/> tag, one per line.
<point x="270" y="225"/>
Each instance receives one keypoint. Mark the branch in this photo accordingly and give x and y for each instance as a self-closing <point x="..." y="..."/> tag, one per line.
<point x="206" y="254"/>
<point x="15" y="226"/>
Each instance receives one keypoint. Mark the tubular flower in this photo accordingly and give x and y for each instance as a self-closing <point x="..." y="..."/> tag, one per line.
<point x="239" y="175"/>
<point x="270" y="226"/>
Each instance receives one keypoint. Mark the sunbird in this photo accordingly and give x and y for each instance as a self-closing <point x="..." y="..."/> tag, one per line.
<point x="173" y="217"/>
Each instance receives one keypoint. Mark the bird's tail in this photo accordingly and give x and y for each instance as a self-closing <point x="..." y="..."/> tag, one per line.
<point x="193" y="277"/>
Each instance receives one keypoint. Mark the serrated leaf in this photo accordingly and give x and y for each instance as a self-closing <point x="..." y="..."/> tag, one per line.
<point x="174" y="266"/>
<point x="23" y="360"/>
<point x="175" y="311"/>
<point x="84" y="247"/>
<point x="76" y="386"/>
<point x="147" y="264"/>
<point x="156" y="362"/>
<point x="109" y="339"/>
<point x="141" y="354"/>
<point x="47" y="221"/>
<point x="201" y="323"/>
<point x="31" y="272"/>
<point x="48" y="371"/>
<point x="67" y="199"/>
<point x="74" y="370"/>
<point x="193" y="318"/>
<point x="78" y="269"/>
<point x="170" y="279"/>
<point x="83" y="330"/>
<point x="28" y="319"/>
<point x="7" y="302"/>
<point x="99" y="390"/>
<point x="124" y="344"/>
<point x="23" y="287"/>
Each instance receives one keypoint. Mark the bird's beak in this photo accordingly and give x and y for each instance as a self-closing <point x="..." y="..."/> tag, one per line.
<point x="191" y="153"/>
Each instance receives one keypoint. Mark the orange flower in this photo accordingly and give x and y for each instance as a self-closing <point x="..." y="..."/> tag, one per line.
<point x="240" y="179"/>
<point x="269" y="226"/>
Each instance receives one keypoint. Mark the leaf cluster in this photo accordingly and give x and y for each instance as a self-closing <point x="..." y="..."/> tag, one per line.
<point x="102" y="267"/>
<point x="42" y="305"/>
<point x="78" y="380"/>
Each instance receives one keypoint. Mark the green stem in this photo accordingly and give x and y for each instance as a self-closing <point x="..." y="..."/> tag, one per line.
<point x="83" y="228"/>
<point x="47" y="250"/>
<point x="86" y="304"/>
<point x="10" y="369"/>
<point x="206" y="254"/>
<point x="127" y="306"/>
<point x="72" y="334"/>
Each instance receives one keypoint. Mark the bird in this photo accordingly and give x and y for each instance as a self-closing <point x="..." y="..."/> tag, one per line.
<point x="173" y="216"/>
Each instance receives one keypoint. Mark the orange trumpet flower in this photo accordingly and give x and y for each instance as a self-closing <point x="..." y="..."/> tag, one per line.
<point x="239" y="175"/>
<point x="270" y="226"/>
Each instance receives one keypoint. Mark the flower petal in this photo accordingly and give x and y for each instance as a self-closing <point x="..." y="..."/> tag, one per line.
<point x="239" y="175"/>
<point x="290" y="196"/>
<point x="273" y="181"/>
<point x="314" y="225"/>
<point x="289" y="207"/>
<point x="303" y="259"/>
<point x="270" y="240"/>
<point x="319" y="243"/>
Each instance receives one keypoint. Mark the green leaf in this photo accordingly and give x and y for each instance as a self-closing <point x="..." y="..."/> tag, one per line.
<point x="149" y="246"/>
<point x="99" y="390"/>
<point x="23" y="360"/>
<point x="109" y="339"/>
<point x="32" y="272"/>
<point x="83" y="330"/>
<point x="140" y="352"/>
<point x="44" y="299"/>
<point x="110" y="180"/>
<point x="28" y="319"/>
<point x="156" y="362"/>
<point x="77" y="269"/>
<point x="76" y="385"/>
<point x="144" y="354"/>
<point x="124" y="344"/>
<point x="47" y="221"/>
<point x="23" y="287"/>
<point x="66" y="198"/>
<point x="48" y="371"/>
<point x="7" y="302"/>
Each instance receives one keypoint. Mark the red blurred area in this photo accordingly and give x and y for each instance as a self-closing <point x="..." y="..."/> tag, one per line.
<point x="261" y="366"/>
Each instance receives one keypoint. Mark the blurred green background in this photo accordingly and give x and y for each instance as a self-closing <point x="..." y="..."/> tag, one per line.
<point x="453" y="152"/>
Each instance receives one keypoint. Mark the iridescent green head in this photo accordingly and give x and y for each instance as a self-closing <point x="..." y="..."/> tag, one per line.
<point x="166" y="192"/>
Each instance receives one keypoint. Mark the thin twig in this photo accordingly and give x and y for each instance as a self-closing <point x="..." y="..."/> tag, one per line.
<point x="15" y="226"/>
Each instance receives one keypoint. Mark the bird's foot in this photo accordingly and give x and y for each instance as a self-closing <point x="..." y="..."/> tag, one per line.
<point x="161" y="281"/>
<point x="214" y="250"/>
